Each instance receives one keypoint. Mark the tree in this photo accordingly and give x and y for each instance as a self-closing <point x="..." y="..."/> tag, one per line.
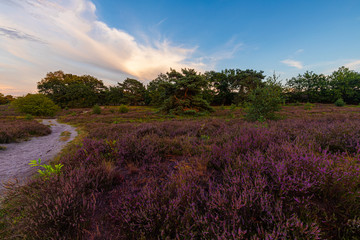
<point x="36" y="104"/>
<point x="183" y="92"/>
<point x="68" y="90"/>
<point x="265" y="100"/>
<point x="114" y="96"/>
<point x="309" y="87"/>
<point x="233" y="85"/>
<point x="134" y="92"/>
<point x="345" y="84"/>
<point x="156" y="91"/>
<point x="5" y="99"/>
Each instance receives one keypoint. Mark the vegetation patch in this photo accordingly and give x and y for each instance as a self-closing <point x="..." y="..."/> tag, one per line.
<point x="201" y="178"/>
<point x="64" y="136"/>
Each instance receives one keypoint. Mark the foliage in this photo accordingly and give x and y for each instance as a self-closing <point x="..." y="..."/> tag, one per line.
<point x="48" y="169"/>
<point x="233" y="85"/>
<point x="16" y="128"/>
<point x="183" y="92"/>
<point x="339" y="103"/>
<point x="203" y="179"/>
<point x="264" y="101"/>
<point x="5" y="99"/>
<point x="311" y="87"/>
<point x="133" y="92"/>
<point x="36" y="104"/>
<point x="96" y="109"/>
<point x="123" y="109"/>
<point x="308" y="106"/>
<point x="68" y="90"/>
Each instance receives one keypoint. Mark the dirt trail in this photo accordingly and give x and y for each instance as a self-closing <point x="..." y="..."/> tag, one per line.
<point x="15" y="159"/>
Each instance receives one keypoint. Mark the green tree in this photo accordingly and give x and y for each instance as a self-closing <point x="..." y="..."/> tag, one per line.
<point x="5" y="99"/>
<point x="157" y="91"/>
<point x="114" y="96"/>
<point x="68" y="90"/>
<point x="345" y="84"/>
<point x="134" y="92"/>
<point x="183" y="91"/>
<point x="309" y="87"/>
<point x="36" y="104"/>
<point x="264" y="101"/>
<point x="233" y="85"/>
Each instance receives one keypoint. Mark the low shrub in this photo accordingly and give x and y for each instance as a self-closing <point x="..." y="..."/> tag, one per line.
<point x="123" y="109"/>
<point x="96" y="109"/>
<point x="36" y="104"/>
<point x="308" y="106"/>
<point x="339" y="103"/>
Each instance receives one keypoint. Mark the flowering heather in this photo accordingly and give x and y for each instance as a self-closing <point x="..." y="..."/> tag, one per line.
<point x="12" y="130"/>
<point x="210" y="178"/>
<point x="14" y="127"/>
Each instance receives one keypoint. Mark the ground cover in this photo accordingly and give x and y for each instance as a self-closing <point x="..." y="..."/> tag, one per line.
<point x="140" y="175"/>
<point x="16" y="127"/>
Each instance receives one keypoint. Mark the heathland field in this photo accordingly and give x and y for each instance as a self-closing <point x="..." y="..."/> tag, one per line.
<point x="143" y="175"/>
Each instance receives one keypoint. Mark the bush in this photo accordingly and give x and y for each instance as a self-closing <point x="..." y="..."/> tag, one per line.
<point x="264" y="102"/>
<point x="96" y="109"/>
<point x="36" y="104"/>
<point x="123" y="108"/>
<point x="340" y="102"/>
<point x="308" y="106"/>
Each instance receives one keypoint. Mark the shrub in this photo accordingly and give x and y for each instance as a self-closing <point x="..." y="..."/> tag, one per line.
<point x="123" y="108"/>
<point x="308" y="106"/>
<point x="340" y="102"/>
<point x="264" y="102"/>
<point x="36" y="104"/>
<point x="190" y="112"/>
<point x="96" y="109"/>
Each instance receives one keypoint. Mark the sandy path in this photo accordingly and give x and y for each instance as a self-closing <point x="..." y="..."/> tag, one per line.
<point x="14" y="161"/>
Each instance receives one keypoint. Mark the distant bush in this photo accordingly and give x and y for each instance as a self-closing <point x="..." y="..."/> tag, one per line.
<point x="96" y="109"/>
<point x="36" y="104"/>
<point x="123" y="108"/>
<point x="340" y="102"/>
<point x="190" y="112"/>
<point x="308" y="106"/>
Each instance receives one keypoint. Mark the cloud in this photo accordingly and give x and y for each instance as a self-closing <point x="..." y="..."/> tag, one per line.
<point x="77" y="42"/>
<point x="293" y="63"/>
<point x="353" y="64"/>
<point x="15" y="34"/>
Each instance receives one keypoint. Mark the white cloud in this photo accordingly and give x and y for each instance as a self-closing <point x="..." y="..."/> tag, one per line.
<point x="293" y="63"/>
<point x="353" y="65"/>
<point x="39" y="36"/>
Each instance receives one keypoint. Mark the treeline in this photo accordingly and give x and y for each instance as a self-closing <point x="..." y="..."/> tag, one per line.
<point x="311" y="87"/>
<point x="189" y="89"/>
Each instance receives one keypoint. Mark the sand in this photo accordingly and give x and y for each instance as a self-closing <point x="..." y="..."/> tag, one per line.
<point x="14" y="161"/>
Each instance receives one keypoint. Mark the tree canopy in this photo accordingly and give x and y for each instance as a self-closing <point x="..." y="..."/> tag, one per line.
<point x="68" y="90"/>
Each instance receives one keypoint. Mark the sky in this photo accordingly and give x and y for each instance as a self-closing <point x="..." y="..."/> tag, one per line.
<point x="112" y="40"/>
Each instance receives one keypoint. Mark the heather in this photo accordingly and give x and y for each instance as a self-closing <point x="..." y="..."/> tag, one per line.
<point x="14" y="128"/>
<point x="215" y="177"/>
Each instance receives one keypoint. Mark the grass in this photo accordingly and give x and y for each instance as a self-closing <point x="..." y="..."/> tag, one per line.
<point x="152" y="176"/>
<point x="64" y="136"/>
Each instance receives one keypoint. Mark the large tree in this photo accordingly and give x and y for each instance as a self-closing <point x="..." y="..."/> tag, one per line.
<point x="68" y="90"/>
<point x="134" y="92"/>
<point x="182" y="91"/>
<point x="345" y="84"/>
<point x="234" y="85"/>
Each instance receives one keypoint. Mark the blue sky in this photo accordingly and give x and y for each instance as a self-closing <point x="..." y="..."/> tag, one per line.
<point x="113" y="40"/>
